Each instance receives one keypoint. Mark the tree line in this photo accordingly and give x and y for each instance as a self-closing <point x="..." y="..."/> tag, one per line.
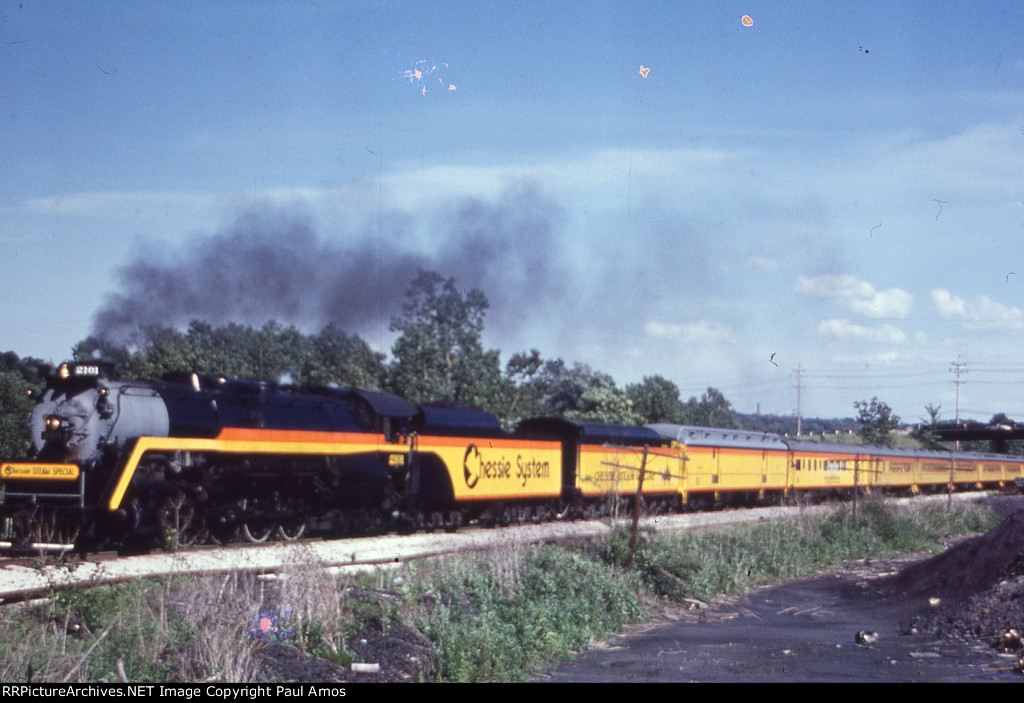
<point x="438" y="355"/>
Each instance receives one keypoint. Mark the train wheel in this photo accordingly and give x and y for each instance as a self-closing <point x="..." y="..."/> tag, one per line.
<point x="295" y="521"/>
<point x="225" y="528"/>
<point x="181" y="525"/>
<point x="410" y="522"/>
<point x="291" y="529"/>
<point x="488" y="520"/>
<point x="257" y="531"/>
<point x="452" y="520"/>
<point x="434" y="520"/>
<point x="254" y="529"/>
<point x="224" y="534"/>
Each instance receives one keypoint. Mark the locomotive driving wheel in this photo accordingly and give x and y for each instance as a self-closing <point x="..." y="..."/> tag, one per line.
<point x="181" y="523"/>
<point x="293" y="518"/>
<point x="224" y="529"/>
<point x="291" y="529"/>
<point x="255" y="529"/>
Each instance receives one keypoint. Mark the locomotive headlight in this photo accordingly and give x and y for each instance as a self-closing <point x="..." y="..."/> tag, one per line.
<point x="63" y="371"/>
<point x="52" y="422"/>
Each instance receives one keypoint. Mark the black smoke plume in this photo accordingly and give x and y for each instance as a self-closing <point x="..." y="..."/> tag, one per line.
<point x="272" y="264"/>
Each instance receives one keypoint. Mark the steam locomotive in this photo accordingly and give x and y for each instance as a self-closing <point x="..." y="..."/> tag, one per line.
<point x="191" y="458"/>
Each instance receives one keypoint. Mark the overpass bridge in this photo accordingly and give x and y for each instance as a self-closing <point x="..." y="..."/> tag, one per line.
<point x="997" y="435"/>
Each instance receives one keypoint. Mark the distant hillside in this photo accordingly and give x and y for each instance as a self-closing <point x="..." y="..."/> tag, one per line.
<point x="780" y="424"/>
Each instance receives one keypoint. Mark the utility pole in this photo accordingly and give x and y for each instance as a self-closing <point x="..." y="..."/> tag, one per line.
<point x="957" y="368"/>
<point x="799" y="388"/>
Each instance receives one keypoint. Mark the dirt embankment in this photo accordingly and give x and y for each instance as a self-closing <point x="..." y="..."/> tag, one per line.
<point x="979" y="585"/>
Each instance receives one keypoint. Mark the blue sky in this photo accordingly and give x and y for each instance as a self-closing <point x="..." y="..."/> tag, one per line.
<point x="838" y="186"/>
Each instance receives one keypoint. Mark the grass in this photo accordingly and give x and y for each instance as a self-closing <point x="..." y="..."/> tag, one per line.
<point x="731" y="559"/>
<point x="496" y="616"/>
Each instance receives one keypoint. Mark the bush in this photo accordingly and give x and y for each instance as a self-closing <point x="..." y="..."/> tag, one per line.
<point x="488" y="630"/>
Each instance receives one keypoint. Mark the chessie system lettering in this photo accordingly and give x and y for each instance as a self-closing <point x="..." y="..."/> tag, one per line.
<point x="476" y="466"/>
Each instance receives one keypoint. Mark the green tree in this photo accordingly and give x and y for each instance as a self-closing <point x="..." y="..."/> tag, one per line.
<point x="580" y="393"/>
<point x="927" y="435"/>
<point x="440" y="354"/>
<point x="521" y="374"/>
<point x="602" y="401"/>
<point x="712" y="410"/>
<point x="343" y="359"/>
<point x="29" y="368"/>
<point x="15" y="405"/>
<point x="271" y="353"/>
<point x="876" y="422"/>
<point x="656" y="399"/>
<point x="18" y="377"/>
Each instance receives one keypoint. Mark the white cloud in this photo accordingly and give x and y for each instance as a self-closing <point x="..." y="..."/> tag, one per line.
<point x="858" y="295"/>
<point x="982" y="313"/>
<point x="948" y="304"/>
<point x="698" y="332"/>
<point x="844" y="329"/>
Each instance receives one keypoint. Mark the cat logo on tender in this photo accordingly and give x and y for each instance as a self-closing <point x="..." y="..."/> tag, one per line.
<point x="472" y="476"/>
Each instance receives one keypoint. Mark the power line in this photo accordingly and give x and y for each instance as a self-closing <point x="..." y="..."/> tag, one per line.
<point x="866" y="374"/>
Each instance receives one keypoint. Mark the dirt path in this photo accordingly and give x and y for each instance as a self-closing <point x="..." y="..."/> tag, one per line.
<point x="802" y="631"/>
<point x="805" y="631"/>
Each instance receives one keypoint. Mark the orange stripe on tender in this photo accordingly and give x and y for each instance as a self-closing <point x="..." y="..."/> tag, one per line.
<point x="253" y="434"/>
